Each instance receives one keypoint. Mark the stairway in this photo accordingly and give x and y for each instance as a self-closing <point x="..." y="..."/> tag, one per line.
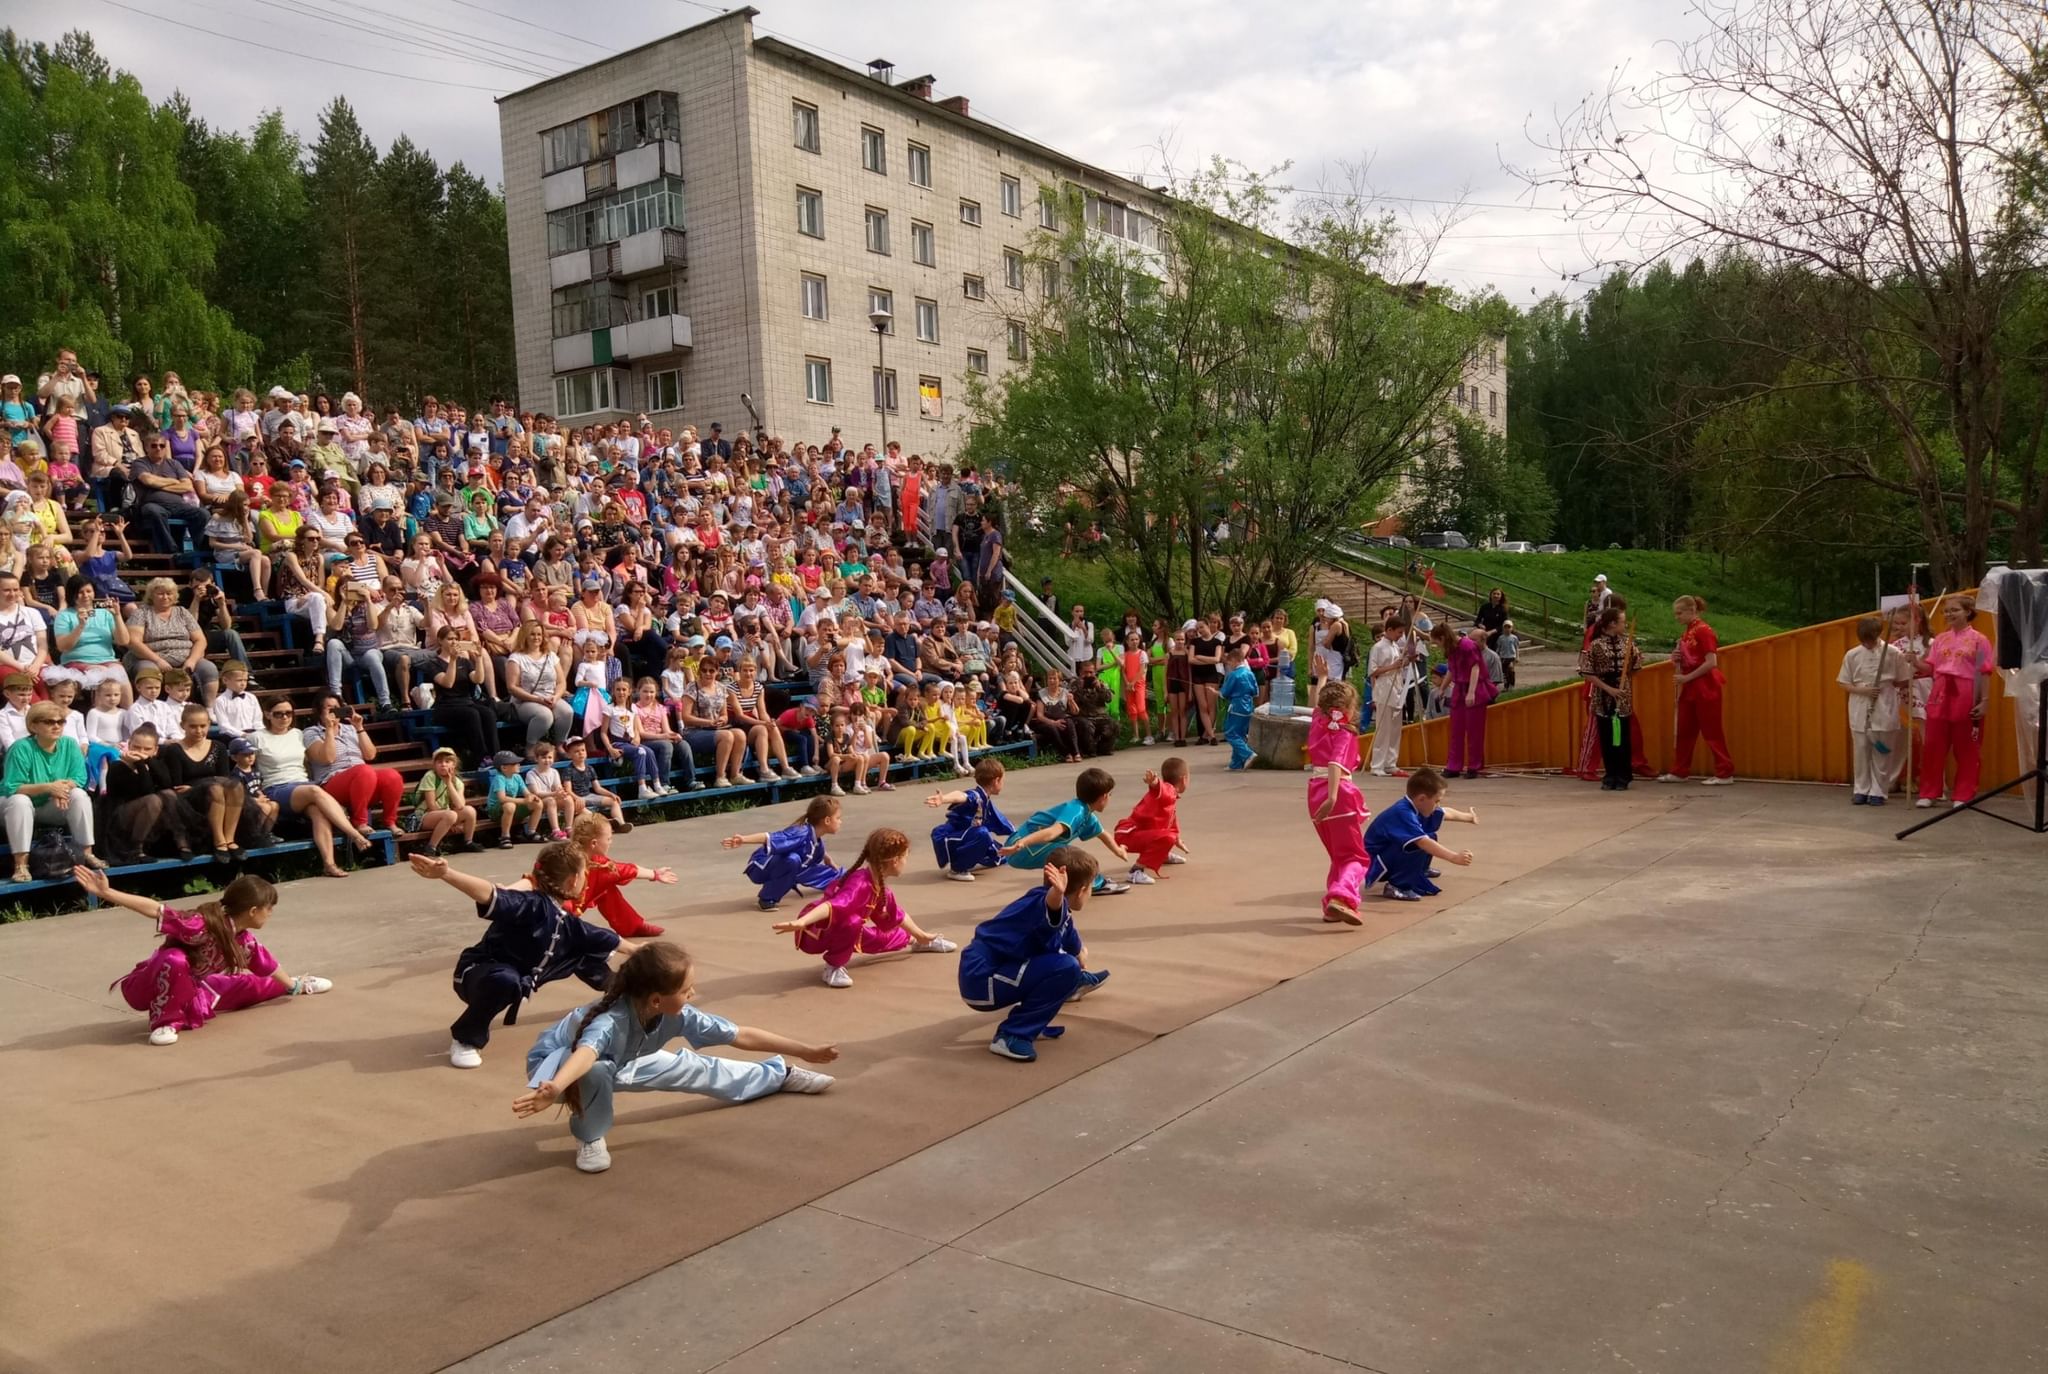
<point x="1363" y="598"/>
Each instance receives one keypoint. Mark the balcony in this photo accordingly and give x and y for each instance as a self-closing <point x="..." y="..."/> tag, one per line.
<point x="631" y="341"/>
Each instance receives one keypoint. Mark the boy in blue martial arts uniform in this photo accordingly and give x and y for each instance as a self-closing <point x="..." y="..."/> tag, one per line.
<point x="533" y="939"/>
<point x="1030" y="958"/>
<point x="1240" y="692"/>
<point x="793" y="856"/>
<point x="1401" y="840"/>
<point x="1070" y="822"/>
<point x="968" y="838"/>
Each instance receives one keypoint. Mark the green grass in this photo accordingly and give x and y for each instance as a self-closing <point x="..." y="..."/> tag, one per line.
<point x="1086" y="580"/>
<point x="1739" y="606"/>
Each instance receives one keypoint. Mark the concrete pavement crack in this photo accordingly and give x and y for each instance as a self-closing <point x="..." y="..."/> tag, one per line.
<point x="1749" y="1154"/>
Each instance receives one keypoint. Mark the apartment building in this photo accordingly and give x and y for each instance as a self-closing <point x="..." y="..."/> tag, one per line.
<point x="703" y="228"/>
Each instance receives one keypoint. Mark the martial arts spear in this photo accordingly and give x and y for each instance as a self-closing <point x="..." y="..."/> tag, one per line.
<point x="1628" y="655"/>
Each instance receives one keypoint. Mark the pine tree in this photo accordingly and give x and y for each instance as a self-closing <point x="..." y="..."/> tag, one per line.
<point x="341" y="239"/>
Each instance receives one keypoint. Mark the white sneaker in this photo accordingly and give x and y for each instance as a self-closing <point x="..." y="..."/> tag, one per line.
<point x="837" y="790"/>
<point x="861" y="789"/>
<point x="1176" y="858"/>
<point x="164" y="1035"/>
<point x="308" y="985"/>
<point x="1142" y="878"/>
<point x="1148" y="741"/>
<point x="1717" y="782"/>
<point x="837" y="978"/>
<point x="1669" y="777"/>
<point x="806" y="1081"/>
<point x="1924" y="803"/>
<point x="809" y="771"/>
<point x="959" y="877"/>
<point x="592" y="1157"/>
<point x="939" y="945"/>
<point x="465" y="1056"/>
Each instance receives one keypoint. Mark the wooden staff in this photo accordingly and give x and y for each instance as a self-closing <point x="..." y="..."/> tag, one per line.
<point x="1628" y="656"/>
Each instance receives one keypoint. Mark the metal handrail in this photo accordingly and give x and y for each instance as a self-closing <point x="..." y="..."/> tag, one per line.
<point x="1033" y="616"/>
<point x="1392" y="558"/>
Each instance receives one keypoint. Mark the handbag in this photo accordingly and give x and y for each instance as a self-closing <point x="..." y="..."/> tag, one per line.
<point x="54" y="853"/>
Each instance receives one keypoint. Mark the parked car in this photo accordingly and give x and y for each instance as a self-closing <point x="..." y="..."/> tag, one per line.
<point x="1551" y="548"/>
<point x="1514" y="546"/>
<point x="1397" y="541"/>
<point x="1442" y="539"/>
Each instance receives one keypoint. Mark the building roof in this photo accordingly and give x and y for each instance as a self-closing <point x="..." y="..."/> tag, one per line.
<point x="743" y="12"/>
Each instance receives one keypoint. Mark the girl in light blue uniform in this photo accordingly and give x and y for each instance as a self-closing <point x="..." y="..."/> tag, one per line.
<point x="615" y="1045"/>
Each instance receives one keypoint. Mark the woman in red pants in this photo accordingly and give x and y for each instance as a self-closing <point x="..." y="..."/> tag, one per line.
<point x="339" y="757"/>
<point x="1959" y="662"/>
<point x="1696" y="672"/>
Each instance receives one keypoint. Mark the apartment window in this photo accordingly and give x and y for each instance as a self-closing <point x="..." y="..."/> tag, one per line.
<point x="931" y="400"/>
<point x="977" y="361"/>
<point x="818" y="381"/>
<point x="1020" y="345"/>
<point x="970" y="212"/>
<point x="1048" y="208"/>
<point x="1492" y="362"/>
<point x="665" y="390"/>
<point x="814" y="297"/>
<point x="878" y="231"/>
<point x="806" y="117"/>
<point x="1493" y="404"/>
<point x="924" y="247"/>
<point x="580" y="393"/>
<point x="1013" y="197"/>
<point x="972" y="287"/>
<point x="1013" y="269"/>
<point x="658" y="302"/>
<point x="885" y="389"/>
<point x="810" y="212"/>
<point x="879" y="299"/>
<point x="874" y="149"/>
<point x="920" y="165"/>
<point x="928" y="321"/>
<point x="1049" y="280"/>
<point x="1461" y="393"/>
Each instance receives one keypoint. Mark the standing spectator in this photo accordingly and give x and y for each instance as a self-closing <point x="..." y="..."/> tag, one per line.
<point x="1095" y="730"/>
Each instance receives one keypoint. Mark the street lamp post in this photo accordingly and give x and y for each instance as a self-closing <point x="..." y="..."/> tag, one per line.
<point x="880" y="319"/>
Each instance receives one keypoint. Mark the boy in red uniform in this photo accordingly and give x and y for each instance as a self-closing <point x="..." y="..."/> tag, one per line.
<point x="1152" y="831"/>
<point x="602" y="879"/>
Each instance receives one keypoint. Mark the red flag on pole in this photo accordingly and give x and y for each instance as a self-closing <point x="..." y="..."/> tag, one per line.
<point x="1436" y="588"/>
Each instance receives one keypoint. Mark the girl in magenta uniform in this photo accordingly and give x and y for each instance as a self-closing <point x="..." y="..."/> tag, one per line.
<point x="1471" y="692"/>
<point x="858" y="914"/>
<point x="1335" y="806"/>
<point x="210" y="960"/>
<point x="1959" y="662"/>
<point x="1696" y="664"/>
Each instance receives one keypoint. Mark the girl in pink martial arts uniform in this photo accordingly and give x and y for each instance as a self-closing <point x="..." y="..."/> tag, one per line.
<point x="210" y="960"/>
<point x="1334" y="804"/>
<point x="1959" y="661"/>
<point x="858" y="914"/>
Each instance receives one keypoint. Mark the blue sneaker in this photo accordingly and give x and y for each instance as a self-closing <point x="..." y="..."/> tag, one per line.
<point x="1013" y="1047"/>
<point x="1876" y="801"/>
<point x="1091" y="979"/>
<point x="1859" y="800"/>
<point x="1402" y="894"/>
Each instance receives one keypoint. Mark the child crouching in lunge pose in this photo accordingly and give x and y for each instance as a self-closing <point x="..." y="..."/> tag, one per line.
<point x="1030" y="958"/>
<point x="1401" y="840"/>
<point x="532" y="939"/>
<point x="793" y="856"/>
<point x="210" y="960"/>
<point x="1335" y="805"/>
<point x="603" y="877"/>
<point x="858" y="914"/>
<point x="614" y="1045"/>
<point x="967" y="838"/>
<point x="1070" y="822"/>
<point x="1152" y="831"/>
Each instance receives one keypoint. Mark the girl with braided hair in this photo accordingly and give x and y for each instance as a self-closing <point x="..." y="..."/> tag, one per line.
<point x="615" y="1045"/>
<point x="858" y="914"/>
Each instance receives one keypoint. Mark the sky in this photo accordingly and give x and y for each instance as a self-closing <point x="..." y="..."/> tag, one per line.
<point x="1432" y="98"/>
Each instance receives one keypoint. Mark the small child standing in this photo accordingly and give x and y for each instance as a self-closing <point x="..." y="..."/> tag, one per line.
<point x="1240" y="693"/>
<point x="210" y="960"/>
<point x="966" y="839"/>
<point x="549" y="794"/>
<point x="1335" y="806"/>
<point x="1030" y="958"/>
<point x="614" y="1045"/>
<point x="1069" y="823"/>
<point x="1875" y="676"/>
<point x="603" y="877"/>
<point x="1135" y="667"/>
<point x="508" y="800"/>
<point x="1152" y="831"/>
<point x="955" y="738"/>
<point x="1401" y="840"/>
<point x="793" y="856"/>
<point x="1508" y="645"/>
<point x="860" y="915"/>
<point x="532" y="939"/>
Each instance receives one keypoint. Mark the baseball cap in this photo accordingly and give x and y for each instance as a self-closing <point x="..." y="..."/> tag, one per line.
<point x="278" y="393"/>
<point x="444" y="752"/>
<point x="11" y="379"/>
<point x="1599" y="577"/>
<point x="694" y="642"/>
<point x="241" y="745"/>
<point x="1187" y="625"/>
<point x="722" y="642"/>
<point x="503" y="758"/>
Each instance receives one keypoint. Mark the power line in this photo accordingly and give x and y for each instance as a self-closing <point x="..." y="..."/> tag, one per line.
<point x="559" y="33"/>
<point x="287" y="52"/>
<point x="424" y="44"/>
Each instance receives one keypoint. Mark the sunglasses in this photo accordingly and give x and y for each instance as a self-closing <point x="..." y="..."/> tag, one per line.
<point x="280" y="714"/>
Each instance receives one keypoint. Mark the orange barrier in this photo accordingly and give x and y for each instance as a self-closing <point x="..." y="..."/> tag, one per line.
<point x="1787" y="720"/>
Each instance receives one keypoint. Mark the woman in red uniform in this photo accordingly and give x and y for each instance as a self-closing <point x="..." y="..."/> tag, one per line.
<point x="1696" y="672"/>
<point x="1959" y="661"/>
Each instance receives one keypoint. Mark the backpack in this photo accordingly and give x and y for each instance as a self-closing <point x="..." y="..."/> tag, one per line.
<point x="54" y="853"/>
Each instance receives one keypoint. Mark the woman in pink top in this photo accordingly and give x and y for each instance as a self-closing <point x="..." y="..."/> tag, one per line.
<point x="1335" y="805"/>
<point x="1472" y="691"/>
<point x="1959" y="662"/>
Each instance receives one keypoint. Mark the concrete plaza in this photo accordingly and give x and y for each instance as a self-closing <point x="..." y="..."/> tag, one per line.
<point x="1684" y="1080"/>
